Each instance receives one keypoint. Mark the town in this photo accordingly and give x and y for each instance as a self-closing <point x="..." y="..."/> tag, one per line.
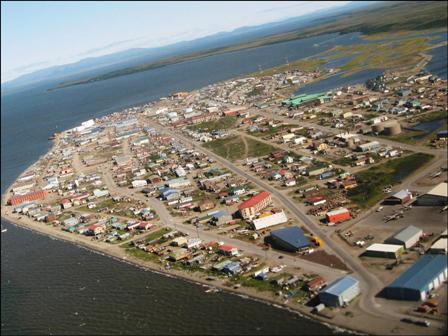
<point x="320" y="202"/>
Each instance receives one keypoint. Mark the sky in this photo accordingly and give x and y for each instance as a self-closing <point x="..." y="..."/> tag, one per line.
<point x="41" y="34"/>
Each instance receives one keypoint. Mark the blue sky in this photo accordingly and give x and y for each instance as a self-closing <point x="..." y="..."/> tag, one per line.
<point x="37" y="35"/>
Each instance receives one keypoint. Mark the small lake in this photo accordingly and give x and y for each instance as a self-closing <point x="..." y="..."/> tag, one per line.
<point x="428" y="127"/>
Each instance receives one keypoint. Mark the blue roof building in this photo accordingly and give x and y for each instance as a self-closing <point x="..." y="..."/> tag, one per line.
<point x="232" y="268"/>
<point x="415" y="284"/>
<point x="290" y="239"/>
<point x="340" y="292"/>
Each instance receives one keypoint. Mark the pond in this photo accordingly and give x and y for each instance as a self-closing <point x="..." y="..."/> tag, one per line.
<point x="428" y="127"/>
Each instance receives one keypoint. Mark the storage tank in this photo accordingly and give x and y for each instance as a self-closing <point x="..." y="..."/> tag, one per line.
<point x="392" y="128"/>
<point x="378" y="128"/>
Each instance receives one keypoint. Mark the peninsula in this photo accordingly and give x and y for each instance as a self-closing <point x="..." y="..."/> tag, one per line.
<point x="249" y="187"/>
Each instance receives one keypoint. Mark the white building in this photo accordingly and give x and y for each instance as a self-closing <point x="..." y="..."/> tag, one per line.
<point x="270" y="220"/>
<point x="139" y="183"/>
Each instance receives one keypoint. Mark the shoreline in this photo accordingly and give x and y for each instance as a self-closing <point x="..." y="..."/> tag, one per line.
<point x="114" y="253"/>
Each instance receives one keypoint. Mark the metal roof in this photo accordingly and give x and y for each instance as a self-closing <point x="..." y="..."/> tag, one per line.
<point x="402" y="194"/>
<point x="408" y="233"/>
<point x="339" y="286"/>
<point x="293" y="236"/>
<point x="439" y="190"/>
<point x="421" y="273"/>
<point x="384" y="248"/>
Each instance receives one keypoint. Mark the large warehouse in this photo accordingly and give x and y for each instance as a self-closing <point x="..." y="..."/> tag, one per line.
<point x="384" y="251"/>
<point x="416" y="283"/>
<point x="290" y="239"/>
<point x="436" y="196"/>
<point x="340" y="292"/>
<point x="407" y="237"/>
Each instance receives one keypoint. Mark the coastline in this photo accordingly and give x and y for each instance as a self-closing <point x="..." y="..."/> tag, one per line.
<point x="119" y="254"/>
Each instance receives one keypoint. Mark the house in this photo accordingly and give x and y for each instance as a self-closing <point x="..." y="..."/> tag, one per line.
<point x="255" y="204"/>
<point x="179" y="254"/>
<point x="178" y="183"/>
<point x="290" y="182"/>
<point x="139" y="183"/>
<point x="144" y="226"/>
<point x="66" y="203"/>
<point x="315" y="284"/>
<point x="228" y="250"/>
<point x="192" y="243"/>
<point x="206" y="205"/>
<point x="96" y="229"/>
<point x="221" y="218"/>
<point x="232" y="268"/>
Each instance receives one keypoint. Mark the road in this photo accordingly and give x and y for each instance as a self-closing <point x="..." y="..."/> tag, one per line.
<point x="369" y="284"/>
<point x="167" y="220"/>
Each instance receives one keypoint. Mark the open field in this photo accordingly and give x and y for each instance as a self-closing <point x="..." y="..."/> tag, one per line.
<point x="373" y="180"/>
<point x="238" y="148"/>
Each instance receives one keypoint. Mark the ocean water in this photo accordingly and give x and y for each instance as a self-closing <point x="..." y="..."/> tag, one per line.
<point x="53" y="287"/>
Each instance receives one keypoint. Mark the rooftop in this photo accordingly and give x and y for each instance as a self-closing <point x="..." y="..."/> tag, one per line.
<point x="293" y="236"/>
<point x="254" y="200"/>
<point x="421" y="273"/>
<point x="340" y="285"/>
<point x="439" y="190"/>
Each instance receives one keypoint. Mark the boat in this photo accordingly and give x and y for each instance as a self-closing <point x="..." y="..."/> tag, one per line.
<point x="4" y="230"/>
<point x="212" y="290"/>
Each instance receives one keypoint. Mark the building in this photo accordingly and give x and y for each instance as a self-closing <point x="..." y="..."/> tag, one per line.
<point x="315" y="284"/>
<point x="439" y="247"/>
<point x="178" y="183"/>
<point x="254" y="205"/>
<point x="436" y="196"/>
<point x="338" y="215"/>
<point x="407" y="237"/>
<point x="139" y="183"/>
<point x="32" y="196"/>
<point x="369" y="146"/>
<point x="427" y="274"/>
<point x="221" y="218"/>
<point x="290" y="239"/>
<point x="401" y="197"/>
<point x="384" y="251"/>
<point x="206" y="205"/>
<point x="228" y="250"/>
<point x="269" y="219"/>
<point x="340" y="292"/>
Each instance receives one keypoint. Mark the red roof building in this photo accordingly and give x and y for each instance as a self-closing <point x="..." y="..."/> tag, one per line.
<point x="228" y="249"/>
<point x="255" y="204"/>
<point x="32" y="196"/>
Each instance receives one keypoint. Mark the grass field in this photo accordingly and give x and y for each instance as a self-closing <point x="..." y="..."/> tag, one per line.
<point x="238" y="148"/>
<point x="223" y="123"/>
<point x="373" y="180"/>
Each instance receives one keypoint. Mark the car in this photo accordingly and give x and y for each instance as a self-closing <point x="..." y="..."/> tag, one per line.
<point x="423" y="323"/>
<point x="407" y="320"/>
